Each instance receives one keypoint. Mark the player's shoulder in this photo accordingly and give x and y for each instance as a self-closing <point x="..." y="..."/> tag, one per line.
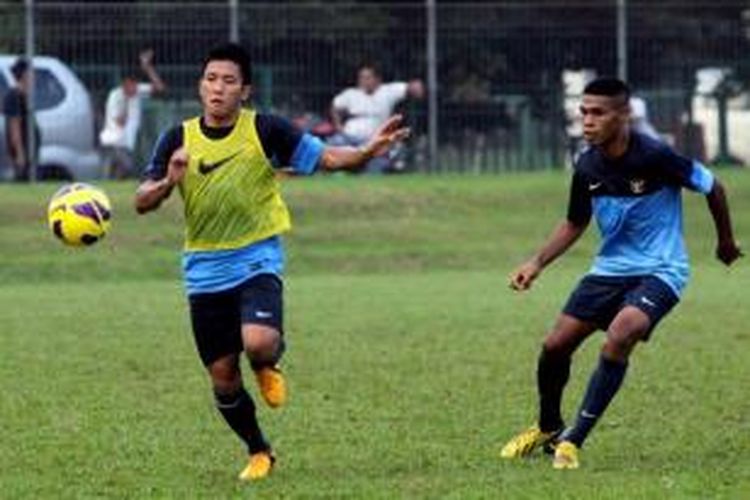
<point x="649" y="146"/>
<point x="170" y="139"/>
<point x="265" y="120"/>
<point x="278" y="136"/>
<point x="656" y="156"/>
<point x="272" y="127"/>
<point x="175" y="132"/>
<point x="586" y="160"/>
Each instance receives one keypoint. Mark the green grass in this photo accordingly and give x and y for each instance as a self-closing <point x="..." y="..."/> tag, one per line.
<point x="410" y="362"/>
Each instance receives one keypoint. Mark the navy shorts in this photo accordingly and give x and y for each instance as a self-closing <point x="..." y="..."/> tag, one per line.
<point x="598" y="299"/>
<point x="217" y="318"/>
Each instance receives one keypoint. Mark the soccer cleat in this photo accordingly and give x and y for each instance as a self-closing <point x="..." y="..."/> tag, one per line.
<point x="524" y="443"/>
<point x="566" y="456"/>
<point x="258" y="467"/>
<point x="272" y="385"/>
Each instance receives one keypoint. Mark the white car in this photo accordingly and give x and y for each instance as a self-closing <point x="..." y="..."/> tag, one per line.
<point x="65" y="119"/>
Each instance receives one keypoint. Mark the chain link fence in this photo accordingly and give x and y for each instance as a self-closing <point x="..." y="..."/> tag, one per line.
<point x="501" y="98"/>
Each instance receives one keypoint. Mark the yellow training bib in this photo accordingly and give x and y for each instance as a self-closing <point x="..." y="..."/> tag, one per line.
<point x="231" y="195"/>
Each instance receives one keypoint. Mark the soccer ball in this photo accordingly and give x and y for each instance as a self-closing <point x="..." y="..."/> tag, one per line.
<point x="79" y="214"/>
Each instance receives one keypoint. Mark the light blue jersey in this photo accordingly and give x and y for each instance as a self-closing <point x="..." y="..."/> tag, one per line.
<point x="637" y="204"/>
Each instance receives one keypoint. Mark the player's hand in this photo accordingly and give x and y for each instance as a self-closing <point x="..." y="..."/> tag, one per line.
<point x="146" y="57"/>
<point x="387" y="135"/>
<point x="522" y="278"/>
<point x="177" y="166"/>
<point x="728" y="251"/>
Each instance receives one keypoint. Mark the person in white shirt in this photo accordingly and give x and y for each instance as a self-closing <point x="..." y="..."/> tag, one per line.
<point x="358" y="112"/>
<point x="122" y="117"/>
<point x="639" y="119"/>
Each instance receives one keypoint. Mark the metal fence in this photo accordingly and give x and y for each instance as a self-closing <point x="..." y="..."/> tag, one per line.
<point x="500" y="94"/>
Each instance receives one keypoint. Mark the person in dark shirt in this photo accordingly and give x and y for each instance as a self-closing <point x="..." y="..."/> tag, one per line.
<point x="16" y="111"/>
<point x="631" y="184"/>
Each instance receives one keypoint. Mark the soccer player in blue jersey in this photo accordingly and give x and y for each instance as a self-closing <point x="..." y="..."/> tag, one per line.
<point x="632" y="185"/>
<point x="224" y="164"/>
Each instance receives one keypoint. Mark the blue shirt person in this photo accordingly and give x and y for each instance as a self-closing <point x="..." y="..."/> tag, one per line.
<point x="631" y="185"/>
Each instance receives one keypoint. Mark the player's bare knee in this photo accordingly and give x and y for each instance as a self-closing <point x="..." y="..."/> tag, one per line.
<point x="225" y="376"/>
<point x="557" y="344"/>
<point x="620" y="344"/>
<point x="553" y="347"/>
<point x="261" y="343"/>
<point x="566" y="335"/>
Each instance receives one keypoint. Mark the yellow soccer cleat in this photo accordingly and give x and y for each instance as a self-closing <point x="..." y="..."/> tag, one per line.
<point x="566" y="456"/>
<point x="258" y="467"/>
<point x="524" y="443"/>
<point x="272" y="385"/>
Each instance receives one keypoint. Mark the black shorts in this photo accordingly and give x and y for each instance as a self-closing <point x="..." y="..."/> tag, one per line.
<point x="217" y="318"/>
<point x="598" y="299"/>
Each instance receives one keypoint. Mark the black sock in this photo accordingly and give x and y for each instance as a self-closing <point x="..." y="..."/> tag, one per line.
<point x="551" y="376"/>
<point x="603" y="385"/>
<point x="238" y="410"/>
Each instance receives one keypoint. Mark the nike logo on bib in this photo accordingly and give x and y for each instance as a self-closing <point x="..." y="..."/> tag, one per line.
<point x="207" y="168"/>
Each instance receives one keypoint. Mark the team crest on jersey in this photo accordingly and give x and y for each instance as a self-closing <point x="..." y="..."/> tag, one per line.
<point x="637" y="186"/>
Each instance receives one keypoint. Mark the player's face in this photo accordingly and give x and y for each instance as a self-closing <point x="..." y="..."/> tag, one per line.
<point x="222" y="90"/>
<point x="368" y="80"/>
<point x="604" y="118"/>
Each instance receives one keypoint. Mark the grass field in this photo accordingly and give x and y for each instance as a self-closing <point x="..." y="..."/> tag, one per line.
<point x="410" y="361"/>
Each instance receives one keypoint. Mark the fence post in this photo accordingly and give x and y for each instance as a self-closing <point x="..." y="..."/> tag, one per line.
<point x="30" y="129"/>
<point x="234" y="22"/>
<point x="622" y="40"/>
<point x="432" y="87"/>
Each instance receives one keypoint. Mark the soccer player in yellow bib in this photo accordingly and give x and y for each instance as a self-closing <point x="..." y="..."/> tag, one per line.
<point x="224" y="164"/>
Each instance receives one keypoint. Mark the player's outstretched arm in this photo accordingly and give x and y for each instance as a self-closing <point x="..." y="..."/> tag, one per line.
<point x="727" y="249"/>
<point x="345" y="157"/>
<point x="562" y="238"/>
<point x="151" y="193"/>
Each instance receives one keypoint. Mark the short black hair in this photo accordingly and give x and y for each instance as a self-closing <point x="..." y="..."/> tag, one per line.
<point x="19" y="68"/>
<point x="609" y="87"/>
<point x="235" y="53"/>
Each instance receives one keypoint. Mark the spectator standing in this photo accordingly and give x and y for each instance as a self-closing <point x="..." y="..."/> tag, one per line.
<point x="17" y="115"/>
<point x="122" y="117"/>
<point x="639" y="119"/>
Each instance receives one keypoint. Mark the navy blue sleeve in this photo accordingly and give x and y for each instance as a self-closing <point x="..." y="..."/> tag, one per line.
<point x="677" y="168"/>
<point x="12" y="104"/>
<point x="278" y="137"/>
<point x="684" y="171"/>
<point x="168" y="143"/>
<point x="579" y="202"/>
